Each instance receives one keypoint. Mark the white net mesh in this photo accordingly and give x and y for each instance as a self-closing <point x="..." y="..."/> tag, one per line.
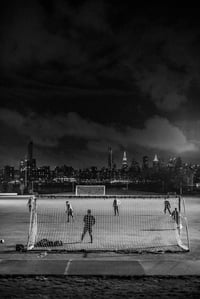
<point x="141" y="225"/>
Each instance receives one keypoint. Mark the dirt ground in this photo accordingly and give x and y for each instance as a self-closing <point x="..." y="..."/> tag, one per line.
<point x="100" y="287"/>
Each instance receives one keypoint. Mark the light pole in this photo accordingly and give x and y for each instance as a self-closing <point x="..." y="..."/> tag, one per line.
<point x="26" y="175"/>
<point x="181" y="188"/>
<point x="32" y="186"/>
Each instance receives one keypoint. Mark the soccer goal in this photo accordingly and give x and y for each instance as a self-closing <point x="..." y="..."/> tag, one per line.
<point x="138" y="224"/>
<point x="90" y="190"/>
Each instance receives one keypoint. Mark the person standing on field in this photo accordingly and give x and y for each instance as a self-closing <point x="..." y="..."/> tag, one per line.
<point x="167" y="206"/>
<point x="116" y="203"/>
<point x="175" y="216"/>
<point x="69" y="211"/>
<point x="29" y="204"/>
<point x="89" y="221"/>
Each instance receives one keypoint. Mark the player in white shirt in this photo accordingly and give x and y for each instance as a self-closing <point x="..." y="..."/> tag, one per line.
<point x="69" y="211"/>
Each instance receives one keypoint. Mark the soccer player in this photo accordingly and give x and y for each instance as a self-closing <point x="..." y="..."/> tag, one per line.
<point x="29" y="204"/>
<point x="175" y="216"/>
<point x="116" y="204"/>
<point x="69" y="211"/>
<point x="89" y="221"/>
<point x="167" y="206"/>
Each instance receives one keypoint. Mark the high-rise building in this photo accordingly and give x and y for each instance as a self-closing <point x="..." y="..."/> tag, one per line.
<point x="8" y="173"/>
<point x="31" y="163"/>
<point x="145" y="162"/>
<point x="124" y="161"/>
<point x="171" y="163"/>
<point x="156" y="162"/>
<point x="43" y="173"/>
<point x="22" y="166"/>
<point x="28" y="166"/>
<point x="135" y="167"/>
<point x="110" y="158"/>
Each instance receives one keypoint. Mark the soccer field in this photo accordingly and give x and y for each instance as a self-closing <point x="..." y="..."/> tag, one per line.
<point x="140" y="226"/>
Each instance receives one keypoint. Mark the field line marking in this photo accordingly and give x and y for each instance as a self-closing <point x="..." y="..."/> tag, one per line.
<point x="67" y="267"/>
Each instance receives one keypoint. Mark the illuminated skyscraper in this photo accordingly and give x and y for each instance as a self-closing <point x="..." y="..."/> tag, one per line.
<point x="155" y="162"/>
<point x="124" y="161"/>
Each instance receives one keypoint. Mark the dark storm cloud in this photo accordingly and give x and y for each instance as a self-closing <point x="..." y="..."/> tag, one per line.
<point x="30" y="42"/>
<point x="54" y="51"/>
<point x="79" y="47"/>
<point x="48" y="130"/>
<point x="164" y="61"/>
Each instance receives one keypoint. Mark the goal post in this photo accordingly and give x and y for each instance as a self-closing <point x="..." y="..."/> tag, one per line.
<point x="90" y="190"/>
<point x="32" y="234"/>
<point x="140" y="226"/>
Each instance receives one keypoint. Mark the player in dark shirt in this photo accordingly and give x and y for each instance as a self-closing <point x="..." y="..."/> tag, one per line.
<point x="89" y="221"/>
<point x="175" y="216"/>
<point x="29" y="204"/>
<point x="167" y="206"/>
<point x="116" y="203"/>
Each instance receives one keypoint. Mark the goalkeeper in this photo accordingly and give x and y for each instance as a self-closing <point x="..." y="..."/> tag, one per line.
<point x="89" y="221"/>
<point x="69" y="211"/>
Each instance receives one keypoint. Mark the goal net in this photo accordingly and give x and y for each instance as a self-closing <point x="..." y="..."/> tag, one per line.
<point x="138" y="224"/>
<point x="92" y="190"/>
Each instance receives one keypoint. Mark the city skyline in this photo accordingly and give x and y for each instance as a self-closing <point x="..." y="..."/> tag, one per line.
<point x="154" y="173"/>
<point x="124" y="163"/>
<point x="79" y="78"/>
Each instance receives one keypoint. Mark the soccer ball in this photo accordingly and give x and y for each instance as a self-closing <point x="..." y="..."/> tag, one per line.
<point x="2" y="241"/>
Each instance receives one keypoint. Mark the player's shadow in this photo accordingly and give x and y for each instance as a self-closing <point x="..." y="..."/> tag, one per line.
<point x="8" y="249"/>
<point x="75" y="242"/>
<point x="159" y="229"/>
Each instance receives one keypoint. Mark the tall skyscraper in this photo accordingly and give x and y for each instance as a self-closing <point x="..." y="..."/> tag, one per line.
<point x="110" y="158"/>
<point x="124" y="161"/>
<point x="145" y="162"/>
<point x="30" y="163"/>
<point x="155" y="162"/>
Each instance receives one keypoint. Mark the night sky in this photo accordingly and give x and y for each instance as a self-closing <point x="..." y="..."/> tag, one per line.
<point x="77" y="77"/>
